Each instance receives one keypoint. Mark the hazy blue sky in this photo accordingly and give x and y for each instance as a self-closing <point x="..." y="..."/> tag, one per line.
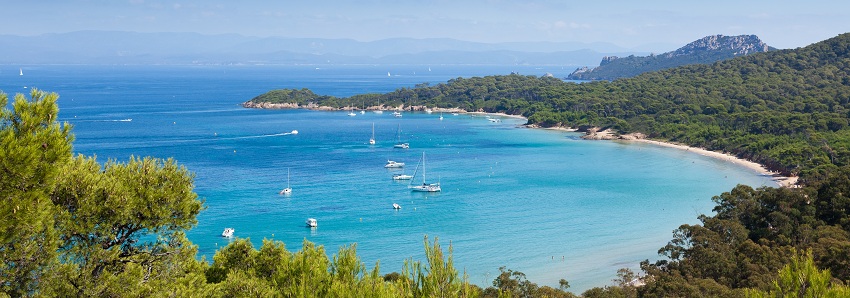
<point x="782" y="24"/>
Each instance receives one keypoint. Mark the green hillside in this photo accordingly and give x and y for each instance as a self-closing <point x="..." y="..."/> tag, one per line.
<point x="74" y="227"/>
<point x="703" y="51"/>
<point x="786" y="109"/>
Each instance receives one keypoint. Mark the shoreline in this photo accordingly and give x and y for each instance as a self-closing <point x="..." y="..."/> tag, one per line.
<point x="592" y="134"/>
<point x="782" y="181"/>
<point x="610" y="135"/>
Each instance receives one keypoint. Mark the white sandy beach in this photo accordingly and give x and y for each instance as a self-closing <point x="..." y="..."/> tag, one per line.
<point x="497" y="114"/>
<point x="781" y="180"/>
<point x="608" y="134"/>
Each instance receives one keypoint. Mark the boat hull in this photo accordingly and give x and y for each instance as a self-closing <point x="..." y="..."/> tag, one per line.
<point x="402" y="177"/>
<point x="426" y="188"/>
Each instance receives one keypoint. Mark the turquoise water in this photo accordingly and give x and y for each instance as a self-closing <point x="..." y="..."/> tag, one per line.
<point x="541" y="202"/>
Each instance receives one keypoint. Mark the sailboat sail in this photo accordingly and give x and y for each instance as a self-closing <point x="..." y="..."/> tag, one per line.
<point x="425" y="187"/>
<point x="399" y="144"/>
<point x="288" y="189"/>
<point x="372" y="140"/>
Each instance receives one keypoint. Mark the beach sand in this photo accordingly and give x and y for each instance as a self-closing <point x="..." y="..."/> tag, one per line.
<point x="497" y="114"/>
<point x="780" y="180"/>
<point x="608" y="134"/>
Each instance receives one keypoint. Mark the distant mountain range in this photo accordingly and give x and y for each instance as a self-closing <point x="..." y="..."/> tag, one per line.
<point x="118" y="47"/>
<point x="706" y="50"/>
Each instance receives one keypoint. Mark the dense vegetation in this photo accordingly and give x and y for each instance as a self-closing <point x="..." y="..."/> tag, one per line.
<point x="72" y="226"/>
<point x="786" y="109"/>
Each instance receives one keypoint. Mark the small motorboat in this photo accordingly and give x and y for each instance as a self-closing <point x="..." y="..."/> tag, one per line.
<point x="312" y="223"/>
<point x="228" y="232"/>
<point x="402" y="177"/>
<point x="396" y="206"/>
<point x="394" y="164"/>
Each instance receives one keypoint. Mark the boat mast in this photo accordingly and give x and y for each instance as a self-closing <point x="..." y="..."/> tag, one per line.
<point x="423" y="167"/>
<point x="410" y="182"/>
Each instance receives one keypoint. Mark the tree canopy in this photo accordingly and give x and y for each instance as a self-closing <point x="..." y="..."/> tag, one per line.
<point x="788" y="109"/>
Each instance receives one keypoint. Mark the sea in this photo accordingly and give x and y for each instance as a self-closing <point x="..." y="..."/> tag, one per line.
<point x="545" y="203"/>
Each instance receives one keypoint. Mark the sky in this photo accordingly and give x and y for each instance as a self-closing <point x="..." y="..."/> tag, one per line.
<point x="630" y="24"/>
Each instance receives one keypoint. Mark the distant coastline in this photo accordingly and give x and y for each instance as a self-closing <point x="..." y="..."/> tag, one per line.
<point x="592" y="133"/>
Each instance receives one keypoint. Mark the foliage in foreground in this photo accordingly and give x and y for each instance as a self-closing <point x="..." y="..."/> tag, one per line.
<point x="74" y="227"/>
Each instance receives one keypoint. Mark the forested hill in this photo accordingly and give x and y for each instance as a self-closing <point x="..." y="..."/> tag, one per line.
<point x="786" y="109"/>
<point x="708" y="49"/>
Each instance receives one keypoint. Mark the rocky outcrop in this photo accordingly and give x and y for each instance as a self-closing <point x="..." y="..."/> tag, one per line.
<point x="607" y="59"/>
<point x="708" y="49"/>
<point x="594" y="133"/>
<point x="737" y="45"/>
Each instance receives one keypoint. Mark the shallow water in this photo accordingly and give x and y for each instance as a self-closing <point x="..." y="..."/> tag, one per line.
<point x="541" y="202"/>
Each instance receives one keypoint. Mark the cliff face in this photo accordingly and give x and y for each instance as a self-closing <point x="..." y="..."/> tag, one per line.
<point x="736" y="45"/>
<point x="708" y="49"/>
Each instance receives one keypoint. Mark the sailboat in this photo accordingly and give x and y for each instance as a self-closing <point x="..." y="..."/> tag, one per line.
<point x="425" y="187"/>
<point x="372" y="140"/>
<point x="399" y="144"/>
<point x="378" y="110"/>
<point x="22" y="71"/>
<point x="441" y="115"/>
<point x="287" y="190"/>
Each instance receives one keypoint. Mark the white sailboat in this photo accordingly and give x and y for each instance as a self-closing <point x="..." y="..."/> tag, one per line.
<point x="425" y="187"/>
<point x="399" y="144"/>
<point x="22" y="71"/>
<point x="378" y="110"/>
<point x="287" y="190"/>
<point x="441" y="115"/>
<point x="372" y="140"/>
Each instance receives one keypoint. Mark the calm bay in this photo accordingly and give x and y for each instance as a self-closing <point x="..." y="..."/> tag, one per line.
<point x="542" y="202"/>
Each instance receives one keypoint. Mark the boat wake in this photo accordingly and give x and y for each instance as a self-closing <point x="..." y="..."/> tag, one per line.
<point x="101" y="120"/>
<point x="294" y="132"/>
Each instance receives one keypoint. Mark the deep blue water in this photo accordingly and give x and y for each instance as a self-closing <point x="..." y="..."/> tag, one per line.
<point x="541" y="202"/>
